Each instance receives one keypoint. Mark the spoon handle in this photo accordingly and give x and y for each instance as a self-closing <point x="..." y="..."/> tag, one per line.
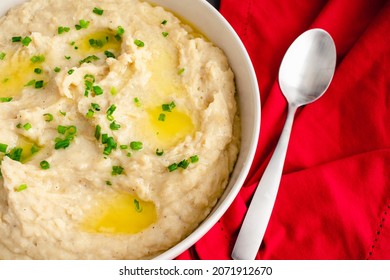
<point x="260" y="209"/>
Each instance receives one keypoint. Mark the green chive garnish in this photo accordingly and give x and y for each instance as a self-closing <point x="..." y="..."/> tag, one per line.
<point x="38" y="70"/>
<point x="117" y="170"/>
<point x="181" y="71"/>
<point x="172" y="167"/>
<point x="109" y="54"/>
<point x="136" y="145"/>
<point x="161" y="117"/>
<point x="3" y="148"/>
<point x="37" y="59"/>
<point x="48" y="117"/>
<point x="26" y="41"/>
<point x="21" y="188"/>
<point x="38" y="84"/>
<point x="114" y="126"/>
<point x="62" y="29"/>
<point x="168" y="107"/>
<point x="159" y="153"/>
<point x="89" y="59"/>
<point x="44" y="165"/>
<point x="2" y="55"/>
<point x="57" y="69"/>
<point x="184" y="164"/>
<point x="194" y="159"/>
<point x="5" y="99"/>
<point x="16" y="39"/>
<point x="27" y="126"/>
<point x="165" y="34"/>
<point x="139" y="43"/>
<point x="98" y="130"/>
<point x="82" y="24"/>
<point x="137" y="206"/>
<point x="98" y="11"/>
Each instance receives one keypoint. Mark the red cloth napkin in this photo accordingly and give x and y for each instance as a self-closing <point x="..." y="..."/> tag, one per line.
<point x="334" y="197"/>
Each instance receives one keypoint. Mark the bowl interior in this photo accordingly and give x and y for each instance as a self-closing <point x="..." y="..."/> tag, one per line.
<point x="209" y="21"/>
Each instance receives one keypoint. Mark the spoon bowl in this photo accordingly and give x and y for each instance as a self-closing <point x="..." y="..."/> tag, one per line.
<point x="308" y="67"/>
<point x="305" y="74"/>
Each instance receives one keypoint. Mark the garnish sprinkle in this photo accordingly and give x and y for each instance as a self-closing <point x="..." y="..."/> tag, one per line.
<point x="98" y="11"/>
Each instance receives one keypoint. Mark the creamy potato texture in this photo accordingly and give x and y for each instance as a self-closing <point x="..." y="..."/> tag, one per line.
<point x="118" y="130"/>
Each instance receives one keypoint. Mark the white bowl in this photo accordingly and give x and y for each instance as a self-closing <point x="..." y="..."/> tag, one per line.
<point x="210" y="22"/>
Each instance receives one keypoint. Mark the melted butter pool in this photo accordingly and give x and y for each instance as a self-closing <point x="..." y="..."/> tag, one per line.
<point x="169" y="128"/>
<point x="122" y="213"/>
<point x="15" y="72"/>
<point x="98" y="41"/>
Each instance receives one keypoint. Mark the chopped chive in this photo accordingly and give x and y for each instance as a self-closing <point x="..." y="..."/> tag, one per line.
<point x="137" y="102"/>
<point x="38" y="70"/>
<point x="3" y="148"/>
<point x="114" y="126"/>
<point x="62" y="144"/>
<point x="139" y="43"/>
<point x="109" y="54"/>
<point x="2" y="55"/>
<point x="48" y="117"/>
<point x="30" y="83"/>
<point x="119" y="33"/>
<point x="117" y="170"/>
<point x="34" y="149"/>
<point x="57" y="69"/>
<point x="165" y="34"/>
<point x="108" y="183"/>
<point x="137" y="206"/>
<point x="98" y="11"/>
<point x="97" y="90"/>
<point x="67" y="57"/>
<point x="26" y="41"/>
<point x="19" y="125"/>
<point x="161" y="117"/>
<point x="181" y="71"/>
<point x="15" y="154"/>
<point x="16" y="39"/>
<point x="104" y="138"/>
<point x="89" y="59"/>
<point x="168" y="107"/>
<point x="82" y="24"/>
<point x="98" y="130"/>
<point x="90" y="113"/>
<point x="5" y="99"/>
<point x="38" y="84"/>
<point x="194" y="159"/>
<point x="70" y="72"/>
<point x="128" y="154"/>
<point x="124" y="147"/>
<point x="164" y="22"/>
<point x="44" y="165"/>
<point x="37" y="59"/>
<point x="61" y="129"/>
<point x="184" y="164"/>
<point x="95" y="106"/>
<point x="62" y="29"/>
<point x="159" y="153"/>
<point x="21" y="188"/>
<point x="114" y="91"/>
<point x="136" y="145"/>
<point x="27" y="126"/>
<point x="62" y="113"/>
<point x="173" y="167"/>
<point x="111" y="111"/>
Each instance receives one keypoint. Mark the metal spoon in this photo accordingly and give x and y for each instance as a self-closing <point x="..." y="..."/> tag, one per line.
<point x="305" y="74"/>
